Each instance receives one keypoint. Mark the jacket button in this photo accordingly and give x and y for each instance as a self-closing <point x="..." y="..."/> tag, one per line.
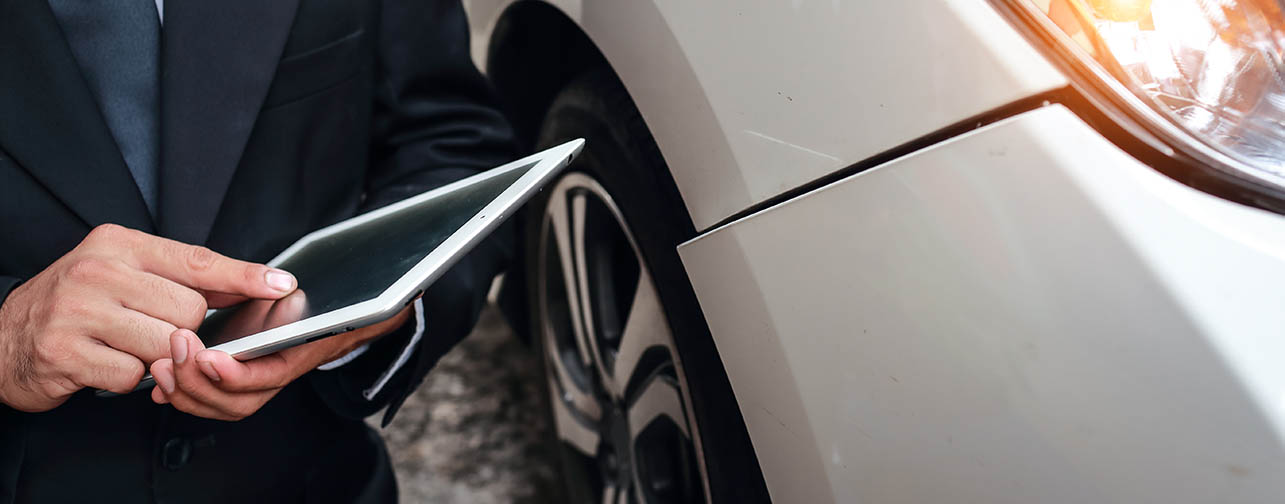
<point x="175" y="453"/>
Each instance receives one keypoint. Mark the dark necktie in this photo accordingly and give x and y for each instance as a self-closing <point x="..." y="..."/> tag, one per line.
<point x="117" y="44"/>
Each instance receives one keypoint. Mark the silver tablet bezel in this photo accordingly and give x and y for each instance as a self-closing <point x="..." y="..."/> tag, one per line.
<point x="412" y="284"/>
<point x="402" y="292"/>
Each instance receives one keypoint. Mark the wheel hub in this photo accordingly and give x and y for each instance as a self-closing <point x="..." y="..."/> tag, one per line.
<point x="615" y="452"/>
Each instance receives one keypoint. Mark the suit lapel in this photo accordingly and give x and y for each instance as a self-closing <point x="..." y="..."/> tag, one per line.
<point x="218" y="59"/>
<point x="52" y="125"/>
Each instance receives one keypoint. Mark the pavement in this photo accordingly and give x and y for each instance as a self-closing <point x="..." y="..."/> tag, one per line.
<point x="476" y="431"/>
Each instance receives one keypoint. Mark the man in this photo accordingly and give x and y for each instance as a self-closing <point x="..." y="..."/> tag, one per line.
<point x="144" y="144"/>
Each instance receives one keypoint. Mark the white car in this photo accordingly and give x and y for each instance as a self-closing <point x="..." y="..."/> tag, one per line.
<point x="910" y="251"/>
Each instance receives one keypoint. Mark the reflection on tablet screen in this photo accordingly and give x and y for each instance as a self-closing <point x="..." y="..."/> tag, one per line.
<point x="252" y="317"/>
<point x="361" y="262"/>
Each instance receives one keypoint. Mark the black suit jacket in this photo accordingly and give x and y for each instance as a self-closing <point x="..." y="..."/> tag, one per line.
<point x="278" y="117"/>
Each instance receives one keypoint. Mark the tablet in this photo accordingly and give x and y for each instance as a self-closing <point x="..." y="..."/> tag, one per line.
<point x="366" y="269"/>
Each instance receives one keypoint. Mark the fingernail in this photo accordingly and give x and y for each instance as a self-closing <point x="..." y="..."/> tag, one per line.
<point x="178" y="344"/>
<point x="208" y="368"/>
<point x="165" y="381"/>
<point x="279" y="280"/>
<point x="159" y="397"/>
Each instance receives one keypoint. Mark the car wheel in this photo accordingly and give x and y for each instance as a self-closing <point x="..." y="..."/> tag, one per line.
<point x="642" y="409"/>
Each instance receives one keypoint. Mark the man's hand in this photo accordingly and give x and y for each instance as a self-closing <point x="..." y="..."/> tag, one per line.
<point x="98" y="315"/>
<point x="211" y="384"/>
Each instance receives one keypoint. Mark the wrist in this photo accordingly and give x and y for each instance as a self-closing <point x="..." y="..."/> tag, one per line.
<point x="11" y="365"/>
<point x="335" y="347"/>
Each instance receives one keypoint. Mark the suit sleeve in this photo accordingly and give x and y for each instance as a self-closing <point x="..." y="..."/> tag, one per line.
<point x="7" y="284"/>
<point x="436" y="121"/>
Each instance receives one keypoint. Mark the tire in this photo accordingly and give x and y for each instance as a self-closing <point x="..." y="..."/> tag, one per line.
<point x="642" y="409"/>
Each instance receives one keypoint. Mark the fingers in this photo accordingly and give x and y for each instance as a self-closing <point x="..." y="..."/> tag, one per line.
<point x="163" y="374"/>
<point x="188" y="378"/>
<point x="379" y="329"/>
<point x="163" y="299"/>
<point x="202" y="268"/>
<point x="211" y="384"/>
<point x="181" y="401"/>
<point x="222" y="300"/>
<point x="158" y="396"/>
<point x="193" y="266"/>
<point x="139" y="311"/>
<point x="166" y="392"/>
<point x="331" y="348"/>
<point x="111" y="369"/>
<point x="264" y="373"/>
<point x="395" y="322"/>
<point x="139" y="335"/>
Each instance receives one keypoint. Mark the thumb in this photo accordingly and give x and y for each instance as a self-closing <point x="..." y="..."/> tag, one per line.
<point x="268" y="372"/>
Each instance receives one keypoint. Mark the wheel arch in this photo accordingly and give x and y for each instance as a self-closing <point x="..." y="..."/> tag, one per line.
<point x="534" y="50"/>
<point x="535" y="47"/>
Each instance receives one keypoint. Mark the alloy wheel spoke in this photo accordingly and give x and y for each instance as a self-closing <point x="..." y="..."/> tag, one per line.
<point x="573" y="430"/>
<point x="567" y="393"/>
<point x="659" y="397"/>
<point x="564" y="221"/>
<point x="637" y="487"/>
<point x="579" y="248"/>
<point x="613" y="494"/>
<point x="566" y="389"/>
<point x="645" y="328"/>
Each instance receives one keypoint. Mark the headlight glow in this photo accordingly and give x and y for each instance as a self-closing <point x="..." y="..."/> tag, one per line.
<point x="1213" y="68"/>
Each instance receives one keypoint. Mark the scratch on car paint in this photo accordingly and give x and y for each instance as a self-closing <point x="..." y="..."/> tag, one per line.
<point x="778" y="420"/>
<point x="788" y="144"/>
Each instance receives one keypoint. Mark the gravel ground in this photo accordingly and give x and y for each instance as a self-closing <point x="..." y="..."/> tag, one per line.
<point x="475" y="431"/>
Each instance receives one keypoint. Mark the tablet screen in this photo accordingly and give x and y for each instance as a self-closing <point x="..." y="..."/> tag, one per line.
<point x="361" y="262"/>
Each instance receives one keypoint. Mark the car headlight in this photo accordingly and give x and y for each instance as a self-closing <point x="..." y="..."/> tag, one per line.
<point x="1212" y="69"/>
